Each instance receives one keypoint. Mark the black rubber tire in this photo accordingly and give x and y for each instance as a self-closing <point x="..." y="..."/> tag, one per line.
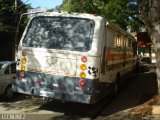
<point x="8" y="94"/>
<point x="116" y="86"/>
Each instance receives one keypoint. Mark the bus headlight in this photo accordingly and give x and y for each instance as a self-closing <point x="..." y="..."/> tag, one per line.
<point x="84" y="59"/>
<point x="83" y="67"/>
<point x="83" y="75"/>
<point x="82" y="82"/>
<point x="23" y="60"/>
<point x="24" y="53"/>
<point x="23" y="67"/>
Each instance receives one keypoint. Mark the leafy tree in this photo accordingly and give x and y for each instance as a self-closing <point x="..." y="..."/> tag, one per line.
<point x="122" y="12"/>
<point x="10" y="11"/>
<point x="50" y="10"/>
<point x="150" y="10"/>
<point x="8" y="14"/>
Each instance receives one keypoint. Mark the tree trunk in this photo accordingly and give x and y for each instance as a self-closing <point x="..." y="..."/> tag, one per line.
<point x="155" y="36"/>
<point x="150" y="10"/>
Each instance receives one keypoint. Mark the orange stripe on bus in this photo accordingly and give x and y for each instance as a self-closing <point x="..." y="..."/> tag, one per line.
<point x="117" y="57"/>
<point x="120" y="56"/>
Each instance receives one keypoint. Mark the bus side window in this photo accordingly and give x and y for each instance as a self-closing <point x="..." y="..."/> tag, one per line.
<point x="103" y="65"/>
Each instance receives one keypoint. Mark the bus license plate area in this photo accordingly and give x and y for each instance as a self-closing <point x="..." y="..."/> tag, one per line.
<point x="46" y="93"/>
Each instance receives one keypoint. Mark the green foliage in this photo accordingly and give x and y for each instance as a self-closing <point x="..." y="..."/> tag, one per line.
<point x="118" y="11"/>
<point x="8" y="14"/>
<point x="50" y="10"/>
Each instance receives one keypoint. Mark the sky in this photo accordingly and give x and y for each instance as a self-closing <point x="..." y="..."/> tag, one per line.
<point x="43" y="3"/>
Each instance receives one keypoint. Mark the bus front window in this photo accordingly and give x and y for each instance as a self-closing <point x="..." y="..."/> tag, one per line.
<point x="63" y="33"/>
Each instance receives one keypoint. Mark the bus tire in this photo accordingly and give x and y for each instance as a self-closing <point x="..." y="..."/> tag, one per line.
<point x="115" y="91"/>
<point x="116" y="86"/>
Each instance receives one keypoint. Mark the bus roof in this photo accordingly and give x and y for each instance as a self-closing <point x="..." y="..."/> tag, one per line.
<point x="69" y="14"/>
<point x="119" y="29"/>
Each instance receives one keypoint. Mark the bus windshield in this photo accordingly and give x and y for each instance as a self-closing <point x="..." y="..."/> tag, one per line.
<point x="62" y="33"/>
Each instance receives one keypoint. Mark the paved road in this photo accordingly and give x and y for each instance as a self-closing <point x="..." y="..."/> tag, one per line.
<point x="40" y="109"/>
<point x="139" y="89"/>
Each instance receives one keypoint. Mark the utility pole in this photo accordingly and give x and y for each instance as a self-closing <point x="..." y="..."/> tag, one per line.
<point x="16" y="30"/>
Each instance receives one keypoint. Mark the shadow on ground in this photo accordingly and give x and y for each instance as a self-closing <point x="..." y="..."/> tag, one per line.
<point x="20" y="103"/>
<point x="142" y="88"/>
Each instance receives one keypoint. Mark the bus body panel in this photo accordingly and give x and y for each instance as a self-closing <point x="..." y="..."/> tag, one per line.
<point x="64" y="64"/>
<point x="54" y="86"/>
<point x="119" y="57"/>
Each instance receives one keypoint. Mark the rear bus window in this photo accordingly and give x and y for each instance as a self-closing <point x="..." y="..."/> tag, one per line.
<point x="63" y="33"/>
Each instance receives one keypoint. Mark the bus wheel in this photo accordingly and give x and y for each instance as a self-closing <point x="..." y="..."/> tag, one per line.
<point x="115" y="92"/>
<point x="116" y="86"/>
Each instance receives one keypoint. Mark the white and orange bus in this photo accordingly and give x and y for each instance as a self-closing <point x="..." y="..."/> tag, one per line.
<point x="73" y="57"/>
